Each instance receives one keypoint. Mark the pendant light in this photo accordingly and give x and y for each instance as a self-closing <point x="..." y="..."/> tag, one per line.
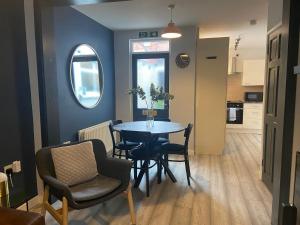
<point x="171" y="31"/>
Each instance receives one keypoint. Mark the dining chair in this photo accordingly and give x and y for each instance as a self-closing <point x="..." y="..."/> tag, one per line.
<point x="144" y="152"/>
<point x="178" y="149"/>
<point x="118" y="145"/>
<point x="163" y="138"/>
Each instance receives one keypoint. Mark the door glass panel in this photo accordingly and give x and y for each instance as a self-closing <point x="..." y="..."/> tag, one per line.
<point x="150" y="71"/>
<point x="150" y="46"/>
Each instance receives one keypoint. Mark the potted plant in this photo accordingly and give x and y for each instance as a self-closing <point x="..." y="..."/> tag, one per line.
<point x="156" y="94"/>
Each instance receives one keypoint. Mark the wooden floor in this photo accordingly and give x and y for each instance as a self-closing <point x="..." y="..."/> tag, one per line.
<point x="225" y="190"/>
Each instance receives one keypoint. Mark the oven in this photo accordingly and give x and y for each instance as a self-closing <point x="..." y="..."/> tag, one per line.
<point x="235" y="112"/>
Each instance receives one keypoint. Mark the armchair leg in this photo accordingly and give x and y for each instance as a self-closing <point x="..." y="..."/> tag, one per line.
<point x="60" y="215"/>
<point x="65" y="211"/>
<point x="131" y="205"/>
<point x="45" y="199"/>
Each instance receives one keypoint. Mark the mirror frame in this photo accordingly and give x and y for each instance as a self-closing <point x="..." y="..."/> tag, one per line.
<point x="179" y="62"/>
<point x="101" y="77"/>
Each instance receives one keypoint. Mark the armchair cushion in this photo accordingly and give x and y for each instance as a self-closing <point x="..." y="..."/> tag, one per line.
<point x="94" y="189"/>
<point x="74" y="164"/>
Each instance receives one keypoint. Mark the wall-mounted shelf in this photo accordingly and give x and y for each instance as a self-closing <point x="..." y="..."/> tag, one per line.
<point x="297" y="69"/>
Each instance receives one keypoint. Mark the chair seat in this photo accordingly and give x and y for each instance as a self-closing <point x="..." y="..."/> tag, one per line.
<point x="162" y="140"/>
<point x="128" y="146"/>
<point x="95" y="188"/>
<point x="173" y="148"/>
<point x="139" y="153"/>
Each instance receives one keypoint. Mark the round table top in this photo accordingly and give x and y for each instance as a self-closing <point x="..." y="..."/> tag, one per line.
<point x="159" y="127"/>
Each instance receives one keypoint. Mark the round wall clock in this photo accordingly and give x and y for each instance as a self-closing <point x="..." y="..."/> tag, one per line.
<point x="182" y="60"/>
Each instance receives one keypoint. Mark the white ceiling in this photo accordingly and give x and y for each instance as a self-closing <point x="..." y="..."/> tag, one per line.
<point x="215" y="18"/>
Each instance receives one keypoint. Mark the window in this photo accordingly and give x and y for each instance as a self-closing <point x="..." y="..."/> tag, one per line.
<point x="145" y="46"/>
<point x="150" y="71"/>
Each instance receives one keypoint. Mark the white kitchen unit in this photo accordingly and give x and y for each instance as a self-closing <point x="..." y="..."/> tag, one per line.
<point x="253" y="116"/>
<point x="253" y="72"/>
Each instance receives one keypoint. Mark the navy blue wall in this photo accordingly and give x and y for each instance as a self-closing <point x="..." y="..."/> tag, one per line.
<point x="70" y="29"/>
<point x="16" y="133"/>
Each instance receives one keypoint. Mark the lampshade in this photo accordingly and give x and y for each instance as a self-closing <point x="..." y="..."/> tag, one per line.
<point x="171" y="31"/>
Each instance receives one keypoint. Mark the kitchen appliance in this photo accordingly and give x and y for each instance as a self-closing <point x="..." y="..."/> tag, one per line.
<point x="235" y="112"/>
<point x="254" y="96"/>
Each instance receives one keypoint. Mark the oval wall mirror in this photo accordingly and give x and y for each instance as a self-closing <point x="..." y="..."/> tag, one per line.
<point x="86" y="74"/>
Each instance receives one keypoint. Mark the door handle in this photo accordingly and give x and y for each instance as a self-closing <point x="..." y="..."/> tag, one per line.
<point x="297" y="69"/>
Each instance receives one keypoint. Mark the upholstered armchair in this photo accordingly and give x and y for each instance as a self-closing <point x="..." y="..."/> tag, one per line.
<point x="112" y="178"/>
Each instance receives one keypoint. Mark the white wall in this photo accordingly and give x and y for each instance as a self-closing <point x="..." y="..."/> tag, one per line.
<point x="245" y="54"/>
<point x="123" y="73"/>
<point x="182" y="81"/>
<point x="275" y="13"/>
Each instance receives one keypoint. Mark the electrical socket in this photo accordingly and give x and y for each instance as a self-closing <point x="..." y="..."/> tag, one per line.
<point x="7" y="167"/>
<point x="16" y="166"/>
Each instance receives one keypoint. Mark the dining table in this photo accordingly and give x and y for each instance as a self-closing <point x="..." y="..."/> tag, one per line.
<point x="156" y="128"/>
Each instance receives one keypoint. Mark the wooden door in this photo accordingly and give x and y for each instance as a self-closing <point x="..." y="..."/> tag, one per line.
<point x="271" y="122"/>
<point x="280" y="108"/>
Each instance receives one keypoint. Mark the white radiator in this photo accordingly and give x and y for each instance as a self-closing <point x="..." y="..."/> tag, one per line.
<point x="99" y="131"/>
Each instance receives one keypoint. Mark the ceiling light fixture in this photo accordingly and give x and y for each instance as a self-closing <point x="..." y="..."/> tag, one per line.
<point x="171" y="31"/>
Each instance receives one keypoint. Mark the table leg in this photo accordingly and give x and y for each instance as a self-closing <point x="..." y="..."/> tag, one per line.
<point x="141" y="174"/>
<point x="159" y="170"/>
<point x="169" y="172"/>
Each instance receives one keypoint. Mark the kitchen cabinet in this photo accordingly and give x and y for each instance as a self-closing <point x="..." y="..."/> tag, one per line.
<point x="253" y="72"/>
<point x="253" y="116"/>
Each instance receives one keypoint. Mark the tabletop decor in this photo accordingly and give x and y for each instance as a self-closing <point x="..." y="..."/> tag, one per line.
<point x="156" y="94"/>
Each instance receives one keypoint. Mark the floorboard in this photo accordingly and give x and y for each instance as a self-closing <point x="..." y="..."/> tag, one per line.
<point x="225" y="190"/>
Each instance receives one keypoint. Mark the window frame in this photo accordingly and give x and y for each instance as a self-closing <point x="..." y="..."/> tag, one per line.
<point x="131" y="41"/>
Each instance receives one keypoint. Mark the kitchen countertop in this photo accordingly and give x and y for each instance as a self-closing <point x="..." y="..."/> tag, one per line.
<point x="240" y="101"/>
<point x="253" y="102"/>
<point x="235" y="101"/>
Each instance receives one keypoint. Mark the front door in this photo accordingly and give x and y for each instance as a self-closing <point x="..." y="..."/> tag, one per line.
<point x="148" y="69"/>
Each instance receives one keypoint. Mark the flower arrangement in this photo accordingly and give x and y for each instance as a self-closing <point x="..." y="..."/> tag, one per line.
<point x="156" y="94"/>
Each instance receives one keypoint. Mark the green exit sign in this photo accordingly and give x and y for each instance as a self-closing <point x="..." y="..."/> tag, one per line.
<point x="148" y="34"/>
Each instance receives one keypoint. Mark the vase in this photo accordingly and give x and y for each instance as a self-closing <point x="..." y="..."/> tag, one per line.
<point x="150" y="113"/>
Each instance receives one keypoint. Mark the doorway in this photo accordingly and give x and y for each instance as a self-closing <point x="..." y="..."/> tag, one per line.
<point x="150" y="67"/>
